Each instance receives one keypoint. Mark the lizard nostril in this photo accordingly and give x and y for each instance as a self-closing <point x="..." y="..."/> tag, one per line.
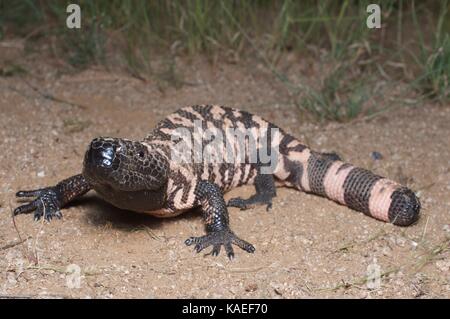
<point x="96" y="143"/>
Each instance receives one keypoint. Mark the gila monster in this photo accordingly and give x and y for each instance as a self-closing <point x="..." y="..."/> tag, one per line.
<point x="148" y="176"/>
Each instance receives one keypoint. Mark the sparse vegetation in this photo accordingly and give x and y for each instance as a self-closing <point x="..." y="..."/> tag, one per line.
<point x="414" y="39"/>
<point x="339" y="97"/>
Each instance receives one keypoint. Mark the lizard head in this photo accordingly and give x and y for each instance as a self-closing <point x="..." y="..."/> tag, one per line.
<point x="124" y="165"/>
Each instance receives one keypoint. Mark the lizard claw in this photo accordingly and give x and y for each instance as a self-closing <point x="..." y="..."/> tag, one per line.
<point x="46" y="204"/>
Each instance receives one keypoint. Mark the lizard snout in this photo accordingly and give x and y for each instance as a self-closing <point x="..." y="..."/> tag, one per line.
<point x="101" y="153"/>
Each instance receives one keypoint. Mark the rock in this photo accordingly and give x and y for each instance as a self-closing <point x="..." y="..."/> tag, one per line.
<point x="251" y="287"/>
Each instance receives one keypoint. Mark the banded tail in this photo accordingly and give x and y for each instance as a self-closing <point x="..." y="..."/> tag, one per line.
<point x="357" y="188"/>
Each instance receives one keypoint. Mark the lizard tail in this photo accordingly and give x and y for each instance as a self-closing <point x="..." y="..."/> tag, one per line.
<point x="357" y="188"/>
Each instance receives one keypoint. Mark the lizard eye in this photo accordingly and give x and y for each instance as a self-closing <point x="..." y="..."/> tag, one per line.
<point x="141" y="154"/>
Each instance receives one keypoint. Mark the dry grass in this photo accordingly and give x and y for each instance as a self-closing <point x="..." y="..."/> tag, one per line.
<point x="129" y="34"/>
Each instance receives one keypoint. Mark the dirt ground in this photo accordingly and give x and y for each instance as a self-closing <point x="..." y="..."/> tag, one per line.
<point x="307" y="246"/>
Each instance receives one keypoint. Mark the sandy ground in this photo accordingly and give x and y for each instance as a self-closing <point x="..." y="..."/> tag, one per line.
<point x="306" y="246"/>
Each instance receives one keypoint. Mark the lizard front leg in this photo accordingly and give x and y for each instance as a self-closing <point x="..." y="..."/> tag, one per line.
<point x="50" y="200"/>
<point x="215" y="215"/>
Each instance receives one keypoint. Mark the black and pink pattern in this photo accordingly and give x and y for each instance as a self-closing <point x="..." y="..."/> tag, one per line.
<point x="144" y="176"/>
<point x="352" y="186"/>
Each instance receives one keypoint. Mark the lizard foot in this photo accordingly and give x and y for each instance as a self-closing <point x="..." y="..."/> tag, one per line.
<point x="218" y="238"/>
<point x="244" y="204"/>
<point x="45" y="205"/>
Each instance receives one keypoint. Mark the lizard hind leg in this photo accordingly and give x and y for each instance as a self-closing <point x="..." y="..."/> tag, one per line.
<point x="265" y="191"/>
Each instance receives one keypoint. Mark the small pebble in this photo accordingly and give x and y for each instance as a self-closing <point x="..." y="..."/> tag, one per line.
<point x="376" y="156"/>
<point x="251" y="287"/>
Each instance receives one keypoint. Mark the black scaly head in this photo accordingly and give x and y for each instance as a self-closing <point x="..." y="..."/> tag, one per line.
<point x="124" y="165"/>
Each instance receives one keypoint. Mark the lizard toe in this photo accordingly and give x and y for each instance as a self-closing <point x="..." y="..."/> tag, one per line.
<point x="238" y="202"/>
<point x="45" y="205"/>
